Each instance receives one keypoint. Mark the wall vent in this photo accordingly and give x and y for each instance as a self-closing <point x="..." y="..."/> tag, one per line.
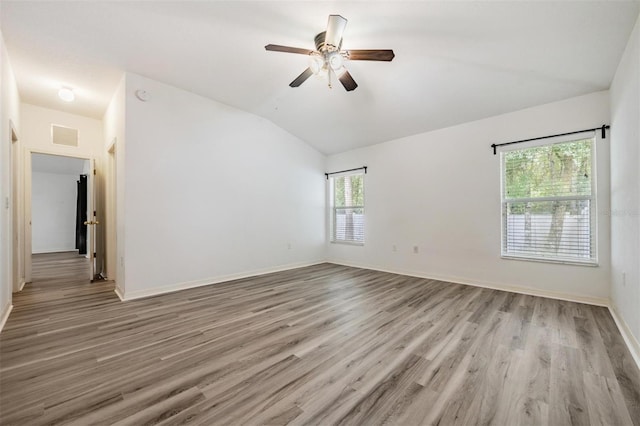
<point x="61" y="135"/>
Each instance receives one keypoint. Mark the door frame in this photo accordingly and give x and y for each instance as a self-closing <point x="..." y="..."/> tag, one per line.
<point x="28" y="231"/>
<point x="17" y="269"/>
<point x="109" y="211"/>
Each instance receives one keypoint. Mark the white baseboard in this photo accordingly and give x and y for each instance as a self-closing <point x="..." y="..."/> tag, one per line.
<point x="627" y="335"/>
<point x="131" y="295"/>
<point x="20" y="287"/>
<point x="598" y="301"/>
<point x="56" y="250"/>
<point x="118" y="291"/>
<point x="5" y="315"/>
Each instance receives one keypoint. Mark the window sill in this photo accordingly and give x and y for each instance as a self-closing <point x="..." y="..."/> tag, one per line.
<point x="347" y="243"/>
<point x="590" y="263"/>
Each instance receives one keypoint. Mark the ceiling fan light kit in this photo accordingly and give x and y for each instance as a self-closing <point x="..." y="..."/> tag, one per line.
<point x="316" y="63"/>
<point x="328" y="58"/>
<point x="336" y="61"/>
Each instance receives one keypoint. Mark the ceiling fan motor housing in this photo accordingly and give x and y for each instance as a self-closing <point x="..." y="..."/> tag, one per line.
<point x="325" y="48"/>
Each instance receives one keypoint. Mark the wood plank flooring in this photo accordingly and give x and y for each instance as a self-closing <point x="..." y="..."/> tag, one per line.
<point x="325" y="344"/>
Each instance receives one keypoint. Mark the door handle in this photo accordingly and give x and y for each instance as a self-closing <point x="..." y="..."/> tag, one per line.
<point x="91" y="222"/>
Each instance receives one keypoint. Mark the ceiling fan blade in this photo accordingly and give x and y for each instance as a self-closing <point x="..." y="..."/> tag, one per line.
<point x="335" y="28"/>
<point x="370" y="55"/>
<point x="301" y="78"/>
<point x="287" y="49"/>
<point x="347" y="81"/>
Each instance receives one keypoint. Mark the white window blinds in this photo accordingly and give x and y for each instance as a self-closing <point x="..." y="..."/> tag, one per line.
<point x="548" y="202"/>
<point x="348" y="208"/>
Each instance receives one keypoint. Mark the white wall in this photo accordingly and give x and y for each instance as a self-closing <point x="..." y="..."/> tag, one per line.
<point x="441" y="191"/>
<point x="625" y="187"/>
<point x="36" y="132"/>
<point x="213" y="192"/>
<point x="9" y="114"/>
<point x="54" y="197"/>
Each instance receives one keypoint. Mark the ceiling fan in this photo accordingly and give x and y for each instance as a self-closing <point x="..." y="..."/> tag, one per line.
<point x="328" y="58"/>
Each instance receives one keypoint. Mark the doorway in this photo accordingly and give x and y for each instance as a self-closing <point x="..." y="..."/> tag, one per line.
<point x="60" y="213"/>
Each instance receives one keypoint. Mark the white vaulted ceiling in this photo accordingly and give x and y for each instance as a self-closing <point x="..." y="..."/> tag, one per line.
<point x="455" y="61"/>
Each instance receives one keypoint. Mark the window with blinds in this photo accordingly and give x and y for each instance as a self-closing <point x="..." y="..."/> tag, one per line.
<point x="348" y="208"/>
<point x="548" y="202"/>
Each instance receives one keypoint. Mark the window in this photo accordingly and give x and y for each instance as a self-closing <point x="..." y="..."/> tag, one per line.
<point x="548" y="202"/>
<point x="347" y="194"/>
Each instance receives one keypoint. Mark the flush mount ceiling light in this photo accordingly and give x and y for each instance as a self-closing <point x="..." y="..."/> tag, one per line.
<point x="66" y="94"/>
<point x="328" y="58"/>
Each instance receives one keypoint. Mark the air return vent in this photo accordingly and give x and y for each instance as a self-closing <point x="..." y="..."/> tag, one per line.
<point x="61" y="135"/>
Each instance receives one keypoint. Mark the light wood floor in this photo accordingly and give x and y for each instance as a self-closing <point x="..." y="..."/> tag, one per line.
<point x="320" y="345"/>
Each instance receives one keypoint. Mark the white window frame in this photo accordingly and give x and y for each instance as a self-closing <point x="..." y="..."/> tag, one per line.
<point x="333" y="209"/>
<point x="593" y="200"/>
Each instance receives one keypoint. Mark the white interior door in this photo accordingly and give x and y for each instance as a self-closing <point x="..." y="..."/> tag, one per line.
<point x="91" y="219"/>
<point x="95" y="226"/>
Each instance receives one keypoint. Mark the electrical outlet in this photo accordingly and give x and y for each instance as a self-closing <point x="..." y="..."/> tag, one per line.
<point x="121" y="261"/>
<point x="289" y="246"/>
<point x="394" y="248"/>
<point x="416" y="249"/>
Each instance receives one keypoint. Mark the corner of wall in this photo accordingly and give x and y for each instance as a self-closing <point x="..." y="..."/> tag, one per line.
<point x="114" y="126"/>
<point x="9" y="114"/>
<point x="625" y="193"/>
<point x="118" y="291"/>
<point x="632" y="343"/>
<point x="4" y="315"/>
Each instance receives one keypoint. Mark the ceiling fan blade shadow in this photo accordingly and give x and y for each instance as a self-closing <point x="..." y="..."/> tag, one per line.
<point x="370" y="55"/>
<point x="301" y="78"/>
<point x="347" y="81"/>
<point x="335" y="28"/>
<point x="287" y="49"/>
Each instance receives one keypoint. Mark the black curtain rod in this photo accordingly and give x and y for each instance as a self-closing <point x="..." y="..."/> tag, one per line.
<point x="603" y="129"/>
<point x="344" y="171"/>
